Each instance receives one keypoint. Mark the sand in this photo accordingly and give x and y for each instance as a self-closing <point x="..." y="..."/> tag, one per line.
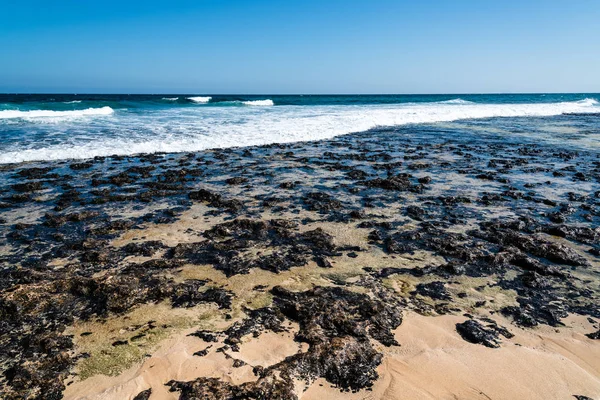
<point x="433" y="362"/>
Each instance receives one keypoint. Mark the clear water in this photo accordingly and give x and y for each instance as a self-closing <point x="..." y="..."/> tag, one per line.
<point x="54" y="127"/>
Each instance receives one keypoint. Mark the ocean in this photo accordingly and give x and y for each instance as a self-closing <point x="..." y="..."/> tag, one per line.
<point x="42" y="127"/>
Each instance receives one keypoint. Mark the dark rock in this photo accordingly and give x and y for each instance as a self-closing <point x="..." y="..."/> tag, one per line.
<point x="319" y="201"/>
<point x="594" y="335"/>
<point x="207" y="336"/>
<point x="399" y="182"/>
<point x="238" y="180"/>
<point x="27" y="187"/>
<point x="80" y="166"/>
<point x="189" y="294"/>
<point x="143" y="395"/>
<point x="144" y="248"/>
<point x="472" y="331"/>
<point x="215" y="389"/>
<point x="216" y="200"/>
<point x="435" y="290"/>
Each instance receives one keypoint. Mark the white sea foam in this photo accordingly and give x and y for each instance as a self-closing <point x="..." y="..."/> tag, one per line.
<point x="198" y="128"/>
<point x="588" y="102"/>
<point x="73" y="102"/>
<point x="171" y="98"/>
<point x="33" y="114"/>
<point x="267" y="102"/>
<point x="456" y="101"/>
<point x="200" y="99"/>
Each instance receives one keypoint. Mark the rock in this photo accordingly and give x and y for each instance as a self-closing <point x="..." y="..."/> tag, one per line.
<point x="400" y="182"/>
<point x="472" y="331"/>
<point x="189" y="294"/>
<point x="216" y="200"/>
<point x="27" y="187"/>
<point x="288" y="185"/>
<point x="594" y="335"/>
<point x="322" y="202"/>
<point x="147" y="248"/>
<point x="80" y="166"/>
<point x="336" y="324"/>
<point x="207" y="336"/>
<point x="436" y="290"/>
<point x="215" y="389"/>
<point x="143" y="395"/>
<point x="238" y="180"/>
<point x="228" y="242"/>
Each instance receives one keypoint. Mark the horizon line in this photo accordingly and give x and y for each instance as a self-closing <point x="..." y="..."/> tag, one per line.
<point x="290" y="94"/>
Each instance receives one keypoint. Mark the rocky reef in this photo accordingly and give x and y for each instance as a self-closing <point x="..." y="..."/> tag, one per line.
<point x="95" y="240"/>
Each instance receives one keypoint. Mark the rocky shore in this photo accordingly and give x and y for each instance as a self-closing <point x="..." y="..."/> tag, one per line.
<point x="323" y="247"/>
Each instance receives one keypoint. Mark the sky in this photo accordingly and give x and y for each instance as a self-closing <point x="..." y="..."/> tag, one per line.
<point x="299" y="46"/>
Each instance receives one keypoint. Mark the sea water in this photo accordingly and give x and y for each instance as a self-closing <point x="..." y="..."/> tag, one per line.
<point x="78" y="126"/>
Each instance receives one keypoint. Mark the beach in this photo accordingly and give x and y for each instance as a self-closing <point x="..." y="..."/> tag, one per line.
<point x="443" y="259"/>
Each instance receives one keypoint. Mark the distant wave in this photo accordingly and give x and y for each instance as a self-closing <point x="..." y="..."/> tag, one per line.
<point x="170" y="98"/>
<point x="200" y="99"/>
<point x="261" y="103"/>
<point x="73" y="102"/>
<point x="456" y="101"/>
<point x="12" y="114"/>
<point x="267" y="102"/>
<point x="182" y="130"/>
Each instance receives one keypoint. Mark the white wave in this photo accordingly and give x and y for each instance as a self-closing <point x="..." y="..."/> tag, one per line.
<point x="170" y="98"/>
<point x="200" y="99"/>
<point x="199" y="128"/>
<point x="456" y="101"/>
<point x="588" y="102"/>
<point x="73" y="102"/>
<point x="267" y="102"/>
<point x="32" y="114"/>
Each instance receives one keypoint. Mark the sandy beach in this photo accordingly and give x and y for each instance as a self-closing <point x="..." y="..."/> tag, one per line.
<point x="432" y="363"/>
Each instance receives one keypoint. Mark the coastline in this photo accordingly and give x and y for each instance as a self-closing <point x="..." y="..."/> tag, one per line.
<point x="119" y="259"/>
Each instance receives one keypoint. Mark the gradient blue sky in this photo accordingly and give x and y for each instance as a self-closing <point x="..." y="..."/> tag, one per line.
<point x="300" y="46"/>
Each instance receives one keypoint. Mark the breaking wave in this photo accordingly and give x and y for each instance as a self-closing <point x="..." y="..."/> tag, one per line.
<point x="32" y="114"/>
<point x="267" y="102"/>
<point x="200" y="99"/>
<point x="588" y="102"/>
<point x="183" y="129"/>
<point x="456" y="101"/>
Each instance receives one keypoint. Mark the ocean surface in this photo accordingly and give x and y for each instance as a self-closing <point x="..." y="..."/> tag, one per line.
<point x="64" y="126"/>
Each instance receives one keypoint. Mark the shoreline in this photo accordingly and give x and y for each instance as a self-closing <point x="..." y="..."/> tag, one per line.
<point x="355" y="257"/>
<point x="112" y="125"/>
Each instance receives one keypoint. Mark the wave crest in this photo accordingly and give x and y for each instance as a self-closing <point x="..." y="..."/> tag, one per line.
<point x="170" y="98"/>
<point x="200" y="99"/>
<point x="456" y="101"/>
<point x="588" y="102"/>
<point x="13" y="114"/>
<point x="266" y="102"/>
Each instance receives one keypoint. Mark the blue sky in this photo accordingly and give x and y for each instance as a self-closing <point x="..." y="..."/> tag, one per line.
<point x="299" y="46"/>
